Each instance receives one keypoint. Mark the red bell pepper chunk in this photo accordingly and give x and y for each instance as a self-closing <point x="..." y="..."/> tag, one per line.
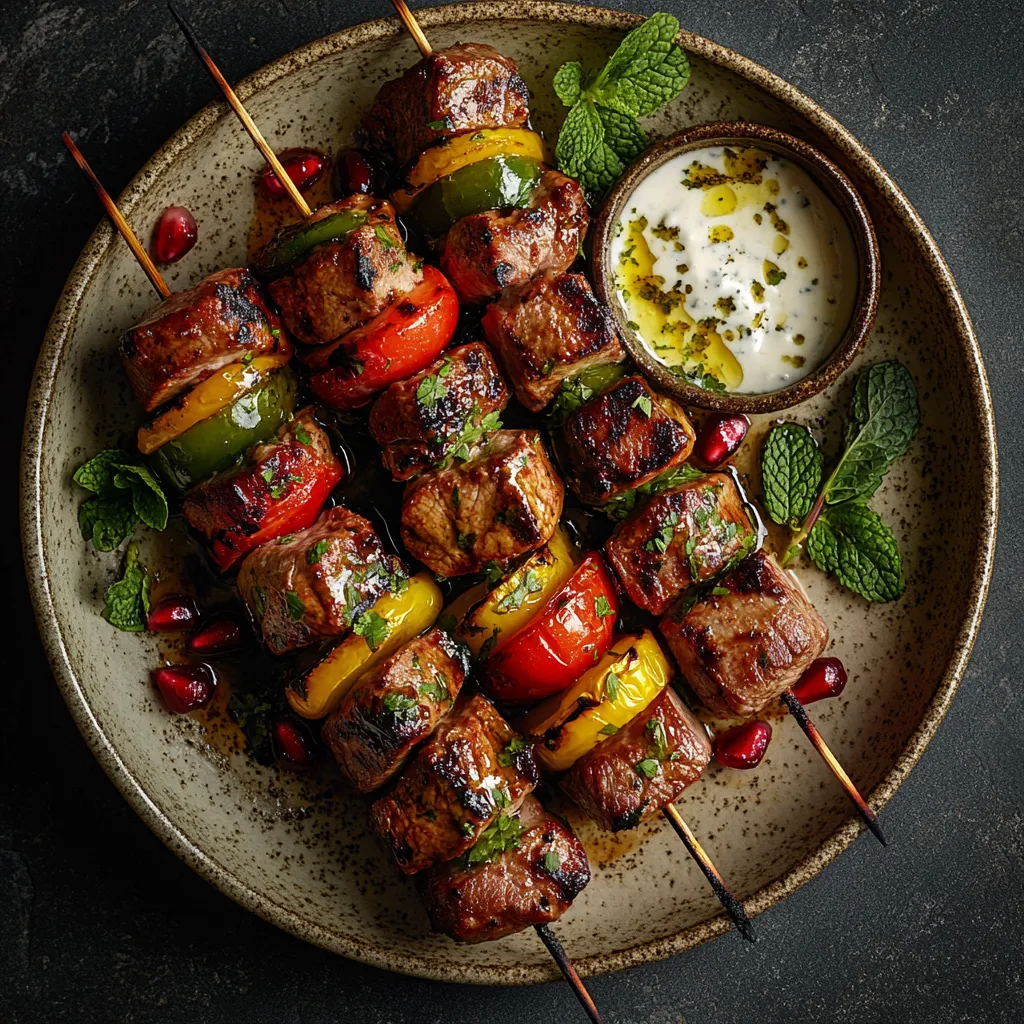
<point x="409" y="335"/>
<point x="567" y="636"/>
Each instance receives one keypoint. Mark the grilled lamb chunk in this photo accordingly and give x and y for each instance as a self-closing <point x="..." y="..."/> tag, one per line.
<point x="392" y="709"/>
<point x="486" y="253"/>
<point x="315" y="584"/>
<point x="680" y="537"/>
<point x="341" y="285"/>
<point x="741" y="648"/>
<point x="418" y="421"/>
<point x="632" y="775"/>
<point x="473" y="899"/>
<point x="256" y="502"/>
<point x="503" y="502"/>
<point x="548" y="329"/>
<point x="194" y="333"/>
<point x="624" y="438"/>
<point x="462" y="88"/>
<point x="466" y="774"/>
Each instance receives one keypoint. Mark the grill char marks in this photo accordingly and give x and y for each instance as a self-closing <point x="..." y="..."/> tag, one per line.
<point x="623" y="439"/>
<point x="485" y="253"/>
<point x="417" y="430"/>
<point x="453" y="789"/>
<point x="392" y="709"/>
<point x="533" y="883"/>
<point x="548" y="329"/>
<point x="195" y="333"/>
<point x="462" y="88"/>
<point x="339" y="286"/>
<point x="678" y="538"/>
<point x="740" y="649"/>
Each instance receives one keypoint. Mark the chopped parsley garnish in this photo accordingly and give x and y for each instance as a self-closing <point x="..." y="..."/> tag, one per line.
<point x="401" y="707"/>
<point x="643" y="403"/>
<point x="551" y="862"/>
<point x="488" y="645"/>
<point x="316" y="552"/>
<point x="507" y="756"/>
<point x="504" y="834"/>
<point x="296" y="609"/>
<point x="603" y="609"/>
<point x="656" y="730"/>
<point x="611" y="686"/>
<point x="437" y="691"/>
<point x="384" y="237"/>
<point x="493" y="573"/>
<point x="501" y="797"/>
<point x="530" y="584"/>
<point x="648" y="767"/>
<point x="373" y="628"/>
<point x="431" y="389"/>
<point x="609" y="729"/>
<point x="465" y="541"/>
<point x="302" y="435"/>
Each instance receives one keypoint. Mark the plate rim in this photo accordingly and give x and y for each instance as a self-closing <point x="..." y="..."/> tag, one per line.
<point x="61" y="327"/>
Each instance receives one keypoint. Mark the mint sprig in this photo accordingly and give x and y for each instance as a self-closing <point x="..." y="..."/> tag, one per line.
<point x="127" y="494"/>
<point x="843" y="536"/>
<point x="601" y="133"/>
<point x="127" y="600"/>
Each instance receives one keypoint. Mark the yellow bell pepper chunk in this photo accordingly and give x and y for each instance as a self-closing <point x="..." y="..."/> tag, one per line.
<point x="407" y="614"/>
<point x="208" y="397"/>
<point x="463" y="150"/>
<point x="616" y="689"/>
<point x="487" y="619"/>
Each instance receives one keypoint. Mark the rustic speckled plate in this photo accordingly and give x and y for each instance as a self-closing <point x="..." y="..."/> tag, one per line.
<point x="297" y="851"/>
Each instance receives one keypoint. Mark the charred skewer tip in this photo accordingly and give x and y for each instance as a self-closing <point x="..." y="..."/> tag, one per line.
<point x="868" y="816"/>
<point x="733" y="907"/>
<point x="413" y="27"/>
<point x="123" y="227"/>
<point x="565" y="965"/>
<point x="243" y="115"/>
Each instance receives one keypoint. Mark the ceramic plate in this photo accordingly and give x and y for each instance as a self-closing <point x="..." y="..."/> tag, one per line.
<point x="297" y="851"/>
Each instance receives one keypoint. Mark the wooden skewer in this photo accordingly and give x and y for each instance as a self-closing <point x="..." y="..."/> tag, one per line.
<point x="565" y="965"/>
<point x="410" y="22"/>
<point x="138" y="251"/>
<point x="796" y="709"/>
<point x="733" y="907"/>
<point x="243" y="115"/>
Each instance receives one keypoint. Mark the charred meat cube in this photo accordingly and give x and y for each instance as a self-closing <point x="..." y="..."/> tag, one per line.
<point x="316" y="584"/>
<point x="194" y="333"/>
<point x="529" y="874"/>
<point x="471" y="770"/>
<point x="750" y="639"/>
<point x="486" y="253"/>
<point x="420" y="420"/>
<point x="548" y="329"/>
<point x="624" y="438"/>
<point x="279" y="488"/>
<point x="341" y="285"/>
<point x="462" y="88"/>
<point x="393" y="708"/>
<point x="681" y="537"/>
<point x="632" y="775"/>
<point x="503" y="502"/>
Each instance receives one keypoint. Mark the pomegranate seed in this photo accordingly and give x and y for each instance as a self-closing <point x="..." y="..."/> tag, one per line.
<point x="353" y="174"/>
<point x="743" y="746"/>
<point x="174" y="235"/>
<point x="220" y="635"/>
<point x="719" y="439"/>
<point x="825" y="677"/>
<point x="292" y="744"/>
<point x="304" y="166"/>
<point x="185" y="687"/>
<point x="175" y="614"/>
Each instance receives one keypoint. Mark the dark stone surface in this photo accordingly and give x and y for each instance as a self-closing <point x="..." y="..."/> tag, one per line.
<point x="99" y="922"/>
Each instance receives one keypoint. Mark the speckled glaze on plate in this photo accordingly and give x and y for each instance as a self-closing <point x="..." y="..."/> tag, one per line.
<point x="296" y="851"/>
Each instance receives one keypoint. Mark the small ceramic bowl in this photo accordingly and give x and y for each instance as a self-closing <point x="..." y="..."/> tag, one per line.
<point x="835" y="185"/>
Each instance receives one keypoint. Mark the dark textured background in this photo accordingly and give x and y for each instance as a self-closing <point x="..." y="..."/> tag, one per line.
<point x="99" y="922"/>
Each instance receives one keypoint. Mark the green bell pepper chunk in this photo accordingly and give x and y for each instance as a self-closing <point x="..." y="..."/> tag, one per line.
<point x="218" y="442"/>
<point x="500" y="182"/>
<point x="291" y="243"/>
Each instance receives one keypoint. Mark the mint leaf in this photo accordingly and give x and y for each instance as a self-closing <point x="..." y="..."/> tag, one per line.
<point x="97" y="475"/>
<point x="551" y="862"/>
<point x="622" y="134"/>
<point x="127" y="600"/>
<point x="791" y="467"/>
<point x="884" y="417"/>
<point x="648" y="767"/>
<point x="107" y="521"/>
<point x="373" y="628"/>
<point x="148" y="498"/>
<point x="568" y="82"/>
<point x="646" y="71"/>
<point x="581" y="137"/>
<point x="852" y="543"/>
<point x="504" y="834"/>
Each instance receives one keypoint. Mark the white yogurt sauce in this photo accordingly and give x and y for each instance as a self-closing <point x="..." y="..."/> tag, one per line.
<point x="731" y="263"/>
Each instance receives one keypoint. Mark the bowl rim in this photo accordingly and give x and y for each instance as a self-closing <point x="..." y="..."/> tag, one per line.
<point x="836" y="185"/>
<point x="31" y="497"/>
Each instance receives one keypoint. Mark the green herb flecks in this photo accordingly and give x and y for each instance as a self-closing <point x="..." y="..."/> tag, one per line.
<point x="373" y="628"/>
<point x="551" y="862"/>
<point x="507" y="756"/>
<point x="648" y="768"/>
<point x="530" y="584"/>
<point x="621" y="505"/>
<point x="505" y="833"/>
